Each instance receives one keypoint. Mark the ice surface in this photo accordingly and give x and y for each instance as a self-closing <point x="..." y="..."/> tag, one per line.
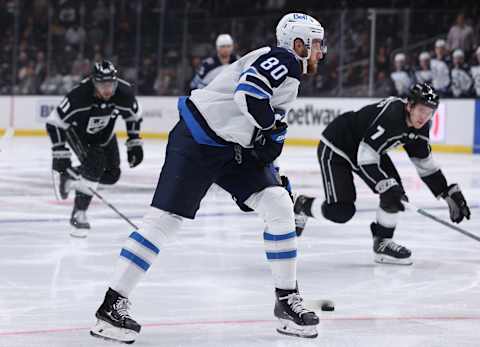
<point x="213" y="287"/>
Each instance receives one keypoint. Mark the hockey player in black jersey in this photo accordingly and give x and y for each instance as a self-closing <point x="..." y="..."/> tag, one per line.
<point x="85" y="121"/>
<point x="357" y="142"/>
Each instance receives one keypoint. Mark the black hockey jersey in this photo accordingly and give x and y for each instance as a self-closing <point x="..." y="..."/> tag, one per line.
<point x="92" y="119"/>
<point x="361" y="138"/>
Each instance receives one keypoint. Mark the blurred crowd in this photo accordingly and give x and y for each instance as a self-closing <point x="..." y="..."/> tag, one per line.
<point x="159" y="44"/>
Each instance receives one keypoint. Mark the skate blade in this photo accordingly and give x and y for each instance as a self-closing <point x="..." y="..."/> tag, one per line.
<point x="386" y="259"/>
<point x="106" y="331"/>
<point x="79" y="233"/>
<point x="287" y="327"/>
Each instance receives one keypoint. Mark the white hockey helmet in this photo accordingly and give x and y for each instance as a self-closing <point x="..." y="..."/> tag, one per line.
<point x="224" y="40"/>
<point x="300" y="26"/>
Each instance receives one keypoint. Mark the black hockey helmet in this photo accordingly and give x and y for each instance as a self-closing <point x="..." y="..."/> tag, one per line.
<point x="423" y="93"/>
<point x="104" y="71"/>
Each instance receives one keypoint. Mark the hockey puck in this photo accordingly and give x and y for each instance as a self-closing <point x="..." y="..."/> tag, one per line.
<point x="327" y="305"/>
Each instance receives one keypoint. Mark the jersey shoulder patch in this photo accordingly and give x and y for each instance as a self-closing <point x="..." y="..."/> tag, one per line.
<point x="277" y="65"/>
<point x="81" y="96"/>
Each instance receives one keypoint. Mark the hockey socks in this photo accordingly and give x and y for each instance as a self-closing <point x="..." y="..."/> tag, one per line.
<point x="142" y="248"/>
<point x="281" y="252"/>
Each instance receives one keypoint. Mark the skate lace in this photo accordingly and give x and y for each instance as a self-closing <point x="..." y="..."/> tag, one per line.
<point x="81" y="217"/>
<point x="122" y="306"/>
<point x="387" y="243"/>
<point x="295" y="302"/>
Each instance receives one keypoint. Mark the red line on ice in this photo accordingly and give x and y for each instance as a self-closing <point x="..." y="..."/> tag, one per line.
<point x="221" y="322"/>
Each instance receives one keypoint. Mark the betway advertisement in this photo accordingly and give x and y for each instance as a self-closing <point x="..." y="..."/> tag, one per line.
<point x="309" y="116"/>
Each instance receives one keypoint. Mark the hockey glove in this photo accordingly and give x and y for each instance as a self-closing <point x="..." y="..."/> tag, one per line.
<point x="134" y="151"/>
<point x="269" y="144"/>
<point x="61" y="158"/>
<point x="456" y="203"/>
<point x="391" y="196"/>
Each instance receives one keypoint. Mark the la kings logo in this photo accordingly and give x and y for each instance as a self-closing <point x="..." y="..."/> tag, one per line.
<point x="97" y="124"/>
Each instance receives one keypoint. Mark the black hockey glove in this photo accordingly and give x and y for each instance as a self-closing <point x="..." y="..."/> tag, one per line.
<point x="134" y="151"/>
<point x="456" y="203"/>
<point x="391" y="196"/>
<point x="61" y="158"/>
<point x="269" y="144"/>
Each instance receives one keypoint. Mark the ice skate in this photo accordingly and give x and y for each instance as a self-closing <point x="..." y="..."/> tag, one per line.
<point x="79" y="223"/>
<point x="295" y="319"/>
<point x="388" y="252"/>
<point x="114" y="321"/>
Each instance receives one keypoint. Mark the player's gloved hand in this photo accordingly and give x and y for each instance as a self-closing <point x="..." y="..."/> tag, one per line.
<point x="456" y="203"/>
<point x="134" y="151"/>
<point x="61" y="158"/>
<point x="391" y="195"/>
<point x="269" y="144"/>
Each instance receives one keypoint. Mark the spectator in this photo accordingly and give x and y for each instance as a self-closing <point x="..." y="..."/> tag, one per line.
<point x="475" y="72"/>
<point x="382" y="64"/>
<point x="460" y="36"/>
<point x="424" y="73"/>
<point x="75" y="36"/>
<point x="402" y="76"/>
<point x="101" y="13"/>
<point x="164" y="82"/>
<point x="462" y="83"/>
<point x="40" y="70"/>
<point x="384" y="85"/>
<point x="52" y="82"/>
<point x="146" y="78"/>
<point x="440" y="69"/>
<point x="67" y="12"/>
<point x="26" y="83"/>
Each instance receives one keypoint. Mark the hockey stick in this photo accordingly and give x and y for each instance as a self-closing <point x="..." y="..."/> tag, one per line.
<point x="441" y="221"/>
<point x="99" y="196"/>
<point x="77" y="147"/>
<point x="125" y="218"/>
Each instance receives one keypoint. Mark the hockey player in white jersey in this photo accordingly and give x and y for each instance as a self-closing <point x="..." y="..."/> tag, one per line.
<point x="229" y="133"/>
<point x="475" y="72"/>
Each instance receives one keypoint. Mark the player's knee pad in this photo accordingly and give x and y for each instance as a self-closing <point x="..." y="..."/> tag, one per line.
<point x="160" y="227"/>
<point x="338" y="212"/>
<point x="111" y="176"/>
<point x="275" y="207"/>
<point x="387" y="219"/>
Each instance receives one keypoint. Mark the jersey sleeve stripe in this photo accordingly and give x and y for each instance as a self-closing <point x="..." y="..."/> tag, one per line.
<point x="249" y="70"/>
<point x="259" y="83"/>
<point x="250" y="89"/>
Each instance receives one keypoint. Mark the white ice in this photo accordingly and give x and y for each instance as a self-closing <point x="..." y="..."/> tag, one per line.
<point x="213" y="287"/>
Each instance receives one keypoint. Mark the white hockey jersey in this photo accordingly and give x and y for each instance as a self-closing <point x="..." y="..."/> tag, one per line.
<point x="423" y="76"/>
<point x="475" y="72"/>
<point x="209" y="69"/>
<point x="462" y="83"/>
<point x="248" y="95"/>
<point x="440" y="75"/>
<point x="402" y="81"/>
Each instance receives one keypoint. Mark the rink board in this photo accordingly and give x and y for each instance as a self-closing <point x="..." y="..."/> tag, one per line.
<point x="456" y="124"/>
